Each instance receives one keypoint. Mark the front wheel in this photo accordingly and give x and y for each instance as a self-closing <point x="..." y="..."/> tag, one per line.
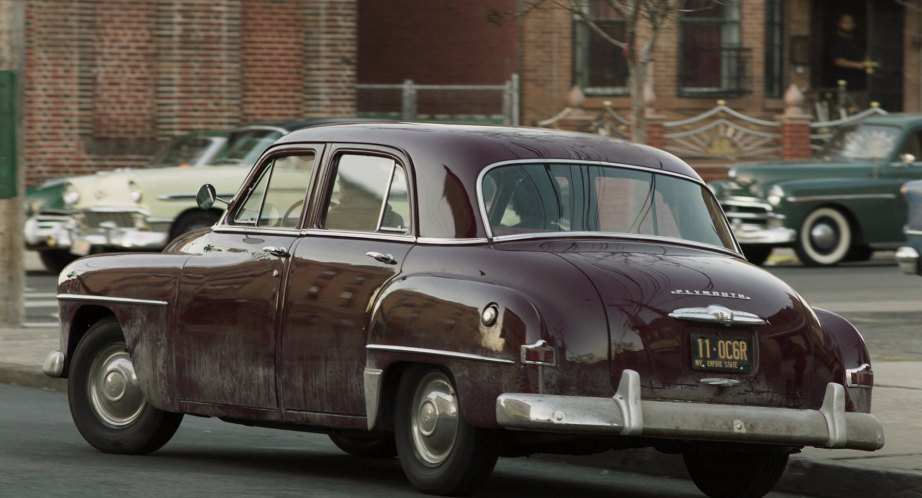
<point x="106" y="402"/>
<point x="824" y="238"/>
<point x="439" y="451"/>
<point x="735" y="474"/>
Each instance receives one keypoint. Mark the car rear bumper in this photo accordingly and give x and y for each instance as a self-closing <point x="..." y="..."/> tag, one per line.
<point x="626" y="414"/>
<point x="907" y="258"/>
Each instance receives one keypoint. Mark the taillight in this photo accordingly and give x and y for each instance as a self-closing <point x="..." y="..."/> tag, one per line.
<point x="862" y="376"/>
<point x="539" y="353"/>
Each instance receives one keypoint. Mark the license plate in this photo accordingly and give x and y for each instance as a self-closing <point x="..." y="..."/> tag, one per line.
<point x="81" y="247"/>
<point x="714" y="353"/>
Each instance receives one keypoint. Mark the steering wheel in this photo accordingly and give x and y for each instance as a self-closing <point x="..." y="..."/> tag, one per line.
<point x="288" y="212"/>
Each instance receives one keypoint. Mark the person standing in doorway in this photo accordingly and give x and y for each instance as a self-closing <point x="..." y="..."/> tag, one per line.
<point x="849" y="60"/>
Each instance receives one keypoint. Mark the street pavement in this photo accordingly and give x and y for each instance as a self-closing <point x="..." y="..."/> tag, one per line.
<point x="893" y="472"/>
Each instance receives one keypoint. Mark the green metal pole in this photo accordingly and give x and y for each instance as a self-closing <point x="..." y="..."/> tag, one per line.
<point x="8" y="174"/>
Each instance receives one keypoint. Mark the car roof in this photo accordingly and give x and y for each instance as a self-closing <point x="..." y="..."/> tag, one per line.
<point x="447" y="160"/>
<point x="477" y="146"/>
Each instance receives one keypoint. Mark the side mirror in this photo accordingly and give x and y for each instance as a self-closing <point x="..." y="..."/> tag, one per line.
<point x="907" y="159"/>
<point x="206" y="196"/>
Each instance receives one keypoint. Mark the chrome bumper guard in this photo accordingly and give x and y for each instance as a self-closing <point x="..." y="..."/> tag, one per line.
<point x="627" y="415"/>
<point x="907" y="259"/>
<point x="54" y="364"/>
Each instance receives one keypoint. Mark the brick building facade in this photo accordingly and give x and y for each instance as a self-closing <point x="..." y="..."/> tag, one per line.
<point x="108" y="80"/>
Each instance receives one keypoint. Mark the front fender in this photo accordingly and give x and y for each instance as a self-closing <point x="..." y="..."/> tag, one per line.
<point x="139" y="290"/>
<point x="843" y="348"/>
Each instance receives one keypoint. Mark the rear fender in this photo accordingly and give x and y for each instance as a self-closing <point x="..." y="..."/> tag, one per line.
<point x="843" y="348"/>
<point x="438" y="320"/>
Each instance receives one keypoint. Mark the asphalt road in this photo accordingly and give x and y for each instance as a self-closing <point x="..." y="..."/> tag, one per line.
<point x="42" y="454"/>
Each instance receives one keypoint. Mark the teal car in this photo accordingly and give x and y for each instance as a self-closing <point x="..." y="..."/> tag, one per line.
<point x="839" y="207"/>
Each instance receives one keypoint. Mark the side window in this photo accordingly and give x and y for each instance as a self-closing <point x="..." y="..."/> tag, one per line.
<point x="277" y="199"/>
<point x="369" y="194"/>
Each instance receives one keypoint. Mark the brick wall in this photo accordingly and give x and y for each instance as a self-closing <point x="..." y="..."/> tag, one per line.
<point x="108" y="81"/>
<point x="545" y="40"/>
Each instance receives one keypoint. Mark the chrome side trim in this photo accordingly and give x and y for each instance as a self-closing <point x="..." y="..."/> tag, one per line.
<point x="445" y="241"/>
<point x="187" y="197"/>
<point x="717" y="314"/>
<point x="852" y="197"/>
<point x="255" y="230"/>
<point x="614" y="236"/>
<point x="358" y="235"/>
<point x="373" y="378"/>
<point x="910" y="231"/>
<point x="107" y="299"/>
<point x="437" y="352"/>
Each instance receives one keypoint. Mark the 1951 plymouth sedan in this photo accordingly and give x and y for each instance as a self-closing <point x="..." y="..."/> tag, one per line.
<point x="841" y="207"/>
<point x="451" y="294"/>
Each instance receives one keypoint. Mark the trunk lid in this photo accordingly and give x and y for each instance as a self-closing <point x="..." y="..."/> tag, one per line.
<point x="655" y="298"/>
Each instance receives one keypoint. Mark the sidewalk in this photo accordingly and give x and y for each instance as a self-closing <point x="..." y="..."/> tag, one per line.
<point x="893" y="472"/>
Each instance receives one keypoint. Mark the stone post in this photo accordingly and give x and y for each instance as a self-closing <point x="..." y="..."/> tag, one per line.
<point x="12" y="274"/>
<point x="795" y="126"/>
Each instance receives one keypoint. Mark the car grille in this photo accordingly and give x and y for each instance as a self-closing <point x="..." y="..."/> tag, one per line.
<point x="93" y="219"/>
<point x="749" y="211"/>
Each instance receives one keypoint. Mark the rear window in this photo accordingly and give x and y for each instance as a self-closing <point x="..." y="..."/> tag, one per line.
<point x="553" y="198"/>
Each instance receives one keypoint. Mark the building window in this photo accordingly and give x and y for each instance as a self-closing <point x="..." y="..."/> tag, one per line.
<point x="599" y="67"/>
<point x="712" y="62"/>
<point x="773" y="37"/>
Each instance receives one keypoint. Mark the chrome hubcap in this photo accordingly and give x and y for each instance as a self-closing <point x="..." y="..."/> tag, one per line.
<point x="824" y="236"/>
<point x="113" y="388"/>
<point x="435" y="419"/>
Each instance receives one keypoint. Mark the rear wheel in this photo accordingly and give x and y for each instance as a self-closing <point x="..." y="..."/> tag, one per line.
<point x="824" y="238"/>
<point x="106" y="402"/>
<point x="735" y="474"/>
<point x="365" y="444"/>
<point x="54" y="260"/>
<point x="439" y="451"/>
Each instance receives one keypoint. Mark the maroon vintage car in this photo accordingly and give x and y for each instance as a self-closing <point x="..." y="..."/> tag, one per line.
<point x="450" y="294"/>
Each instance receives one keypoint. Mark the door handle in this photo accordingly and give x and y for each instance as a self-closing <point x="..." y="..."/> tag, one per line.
<point x="384" y="258"/>
<point x="277" y="251"/>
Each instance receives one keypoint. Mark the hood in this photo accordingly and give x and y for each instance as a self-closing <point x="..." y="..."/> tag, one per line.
<point x="645" y="288"/>
<point x="755" y="179"/>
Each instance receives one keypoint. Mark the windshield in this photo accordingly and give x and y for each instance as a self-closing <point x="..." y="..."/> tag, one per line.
<point x="185" y="151"/>
<point x="245" y="147"/>
<point x="552" y="198"/>
<point x="864" y="142"/>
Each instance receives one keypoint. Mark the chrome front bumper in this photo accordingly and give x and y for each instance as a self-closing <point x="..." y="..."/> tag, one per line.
<point x="52" y="231"/>
<point x="759" y="234"/>
<point x="628" y="415"/>
<point x="907" y="259"/>
<point x="118" y="229"/>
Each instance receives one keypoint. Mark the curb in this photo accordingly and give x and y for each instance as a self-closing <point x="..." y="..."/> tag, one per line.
<point x="30" y="377"/>
<point x="810" y="477"/>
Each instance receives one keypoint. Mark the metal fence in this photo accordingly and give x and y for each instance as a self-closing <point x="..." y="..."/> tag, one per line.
<point x="410" y="101"/>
